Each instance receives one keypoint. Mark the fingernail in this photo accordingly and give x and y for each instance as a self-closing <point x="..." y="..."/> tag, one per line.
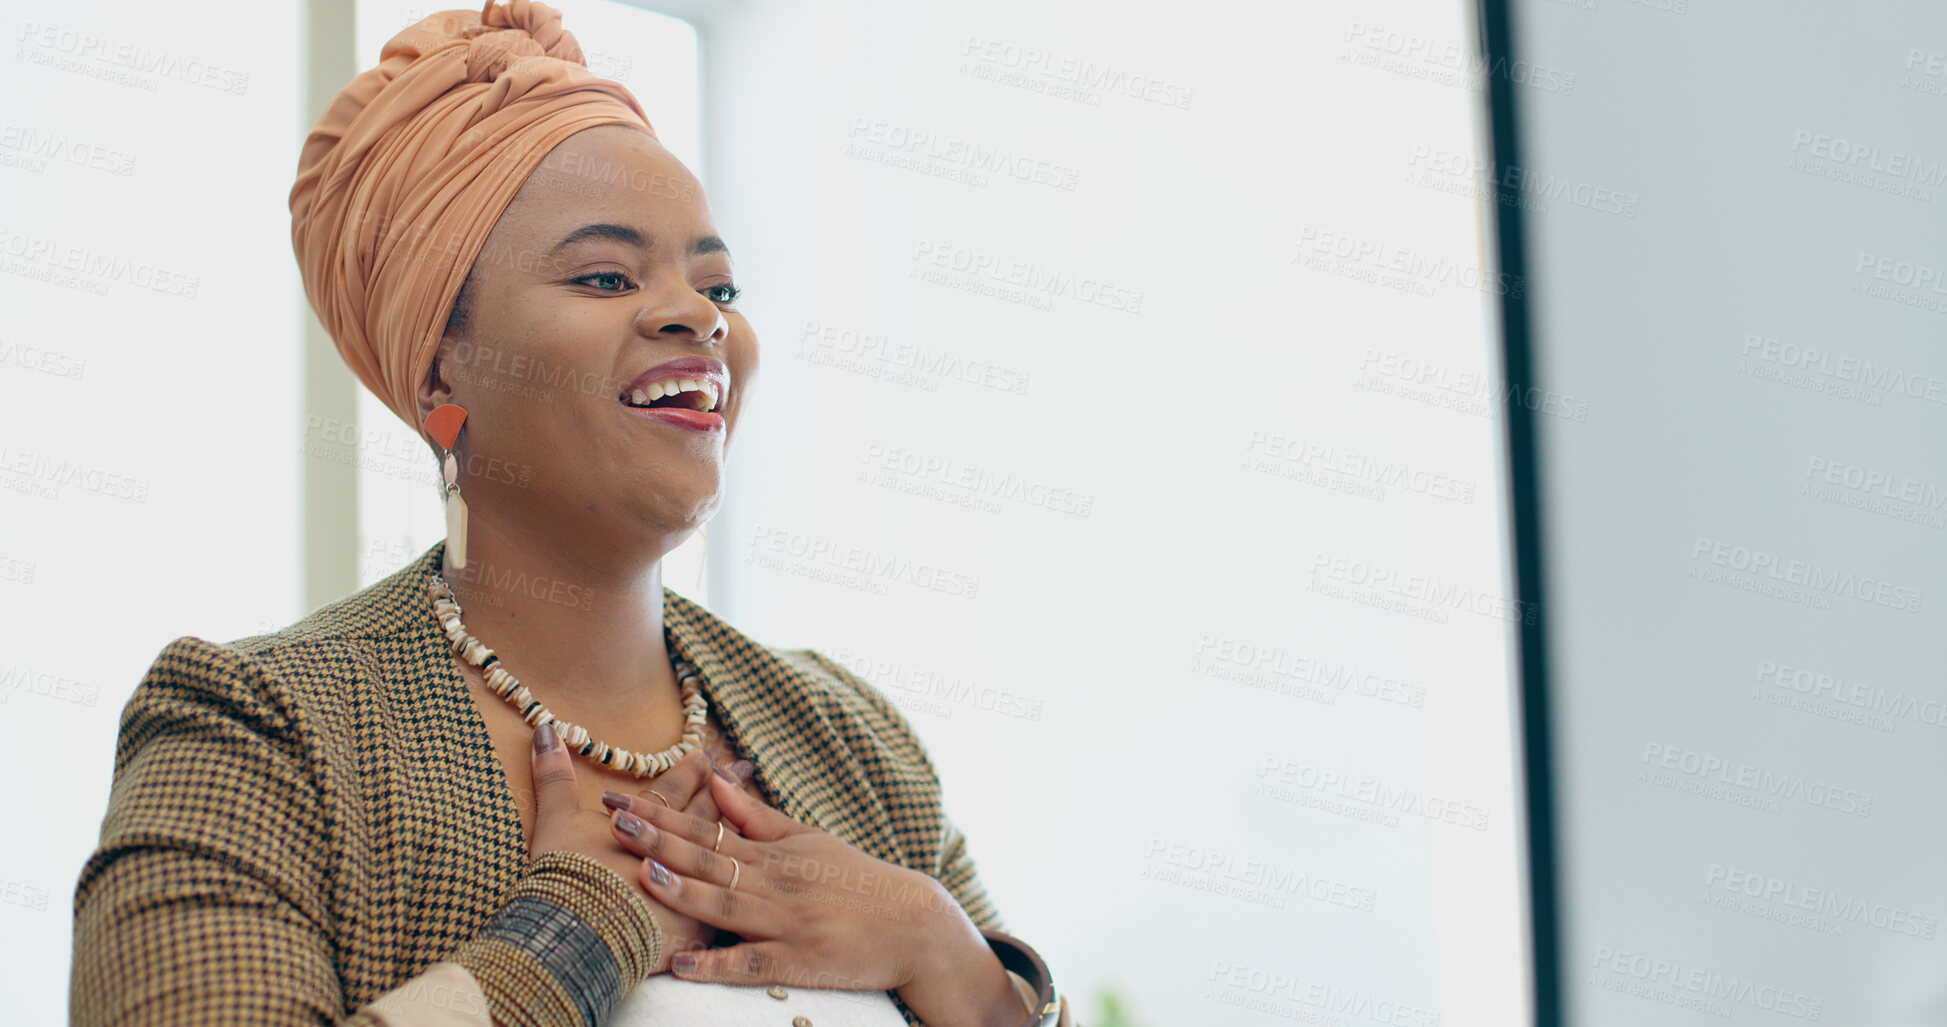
<point x="722" y="773"/>
<point x="544" y="739"/>
<point x="660" y="874"/>
<point x="615" y="800"/>
<point x="744" y="769"/>
<point x="629" y="824"/>
<point x="683" y="962"/>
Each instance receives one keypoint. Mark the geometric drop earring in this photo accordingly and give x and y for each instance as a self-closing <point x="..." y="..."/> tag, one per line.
<point x="443" y="424"/>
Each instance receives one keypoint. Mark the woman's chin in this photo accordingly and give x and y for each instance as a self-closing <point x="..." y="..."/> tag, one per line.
<point x="683" y="521"/>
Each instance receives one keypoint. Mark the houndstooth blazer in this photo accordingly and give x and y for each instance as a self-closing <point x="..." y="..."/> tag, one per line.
<point x="306" y="826"/>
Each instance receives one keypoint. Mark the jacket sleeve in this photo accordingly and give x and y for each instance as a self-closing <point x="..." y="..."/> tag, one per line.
<point x="206" y="902"/>
<point x="955" y="869"/>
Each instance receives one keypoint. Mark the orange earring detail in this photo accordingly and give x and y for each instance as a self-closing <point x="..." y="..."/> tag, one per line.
<point x="443" y="424"/>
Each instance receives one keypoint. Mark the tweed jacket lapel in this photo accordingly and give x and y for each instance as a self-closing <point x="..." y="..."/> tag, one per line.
<point x="790" y="724"/>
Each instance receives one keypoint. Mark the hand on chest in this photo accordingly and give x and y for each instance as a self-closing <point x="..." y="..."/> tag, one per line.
<point x="512" y="741"/>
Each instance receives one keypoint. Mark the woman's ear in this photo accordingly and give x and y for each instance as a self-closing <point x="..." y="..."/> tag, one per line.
<point x="434" y="390"/>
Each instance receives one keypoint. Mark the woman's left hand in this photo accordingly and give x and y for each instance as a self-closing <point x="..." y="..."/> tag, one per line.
<point x="813" y="911"/>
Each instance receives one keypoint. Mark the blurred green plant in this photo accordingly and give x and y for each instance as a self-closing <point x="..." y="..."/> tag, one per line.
<point x="1111" y="1011"/>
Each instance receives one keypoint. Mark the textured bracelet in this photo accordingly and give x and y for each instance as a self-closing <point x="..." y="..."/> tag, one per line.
<point x="570" y="941"/>
<point x="1019" y="958"/>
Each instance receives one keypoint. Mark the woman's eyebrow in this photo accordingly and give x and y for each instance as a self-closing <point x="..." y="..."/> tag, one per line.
<point x="620" y="233"/>
<point x="623" y="233"/>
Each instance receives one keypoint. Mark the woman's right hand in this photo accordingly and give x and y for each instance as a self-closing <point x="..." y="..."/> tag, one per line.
<point x="560" y="823"/>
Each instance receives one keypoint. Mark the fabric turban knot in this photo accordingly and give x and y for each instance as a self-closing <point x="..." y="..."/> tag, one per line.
<point x="411" y="165"/>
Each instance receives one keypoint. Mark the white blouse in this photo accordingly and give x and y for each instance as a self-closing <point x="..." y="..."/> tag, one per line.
<point x="666" y="1000"/>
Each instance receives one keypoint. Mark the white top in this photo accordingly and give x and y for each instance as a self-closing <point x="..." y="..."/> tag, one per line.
<point x="666" y="1000"/>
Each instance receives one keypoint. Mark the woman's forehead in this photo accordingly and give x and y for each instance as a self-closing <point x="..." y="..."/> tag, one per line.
<point x="611" y="173"/>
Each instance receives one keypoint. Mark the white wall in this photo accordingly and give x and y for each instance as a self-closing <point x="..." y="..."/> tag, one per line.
<point x="1191" y="469"/>
<point x="150" y="419"/>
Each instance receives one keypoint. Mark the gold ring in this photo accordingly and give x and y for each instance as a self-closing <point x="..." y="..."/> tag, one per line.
<point x="719" y="843"/>
<point x="735" y="869"/>
<point x="658" y="796"/>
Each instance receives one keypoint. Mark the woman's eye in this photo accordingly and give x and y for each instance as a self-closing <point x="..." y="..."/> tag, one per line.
<point x="599" y="275"/>
<point x="724" y="293"/>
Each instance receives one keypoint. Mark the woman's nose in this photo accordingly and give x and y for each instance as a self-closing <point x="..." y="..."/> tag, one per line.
<point x="674" y="308"/>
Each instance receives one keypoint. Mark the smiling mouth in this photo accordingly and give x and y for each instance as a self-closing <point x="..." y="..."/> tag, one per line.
<point x="675" y="393"/>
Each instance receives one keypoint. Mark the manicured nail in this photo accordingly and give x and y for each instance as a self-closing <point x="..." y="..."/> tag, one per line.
<point x="722" y="773"/>
<point x="544" y="739"/>
<point x="629" y="824"/>
<point x="683" y="962"/>
<point x="615" y="800"/>
<point x="660" y="874"/>
<point x="744" y="769"/>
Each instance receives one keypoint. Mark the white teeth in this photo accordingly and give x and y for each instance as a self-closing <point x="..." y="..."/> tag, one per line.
<point x="657" y="390"/>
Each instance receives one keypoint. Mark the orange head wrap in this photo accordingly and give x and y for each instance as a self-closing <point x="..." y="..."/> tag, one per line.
<point x="411" y="164"/>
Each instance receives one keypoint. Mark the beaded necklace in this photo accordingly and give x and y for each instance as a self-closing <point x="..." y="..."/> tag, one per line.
<point x="695" y="707"/>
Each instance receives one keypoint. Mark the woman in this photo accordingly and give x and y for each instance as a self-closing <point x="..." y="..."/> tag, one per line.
<point x="368" y="817"/>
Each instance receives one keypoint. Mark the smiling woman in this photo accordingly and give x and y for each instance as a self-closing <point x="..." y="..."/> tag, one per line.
<point x="623" y="812"/>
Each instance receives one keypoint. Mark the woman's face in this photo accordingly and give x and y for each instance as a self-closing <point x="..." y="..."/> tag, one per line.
<point x="603" y="277"/>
